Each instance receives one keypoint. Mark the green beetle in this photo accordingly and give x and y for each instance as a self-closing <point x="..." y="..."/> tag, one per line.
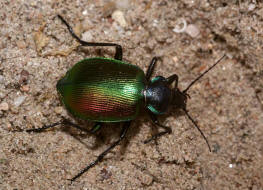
<point x="111" y="90"/>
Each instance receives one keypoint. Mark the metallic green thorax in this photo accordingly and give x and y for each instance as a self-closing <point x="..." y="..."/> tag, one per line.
<point x="103" y="89"/>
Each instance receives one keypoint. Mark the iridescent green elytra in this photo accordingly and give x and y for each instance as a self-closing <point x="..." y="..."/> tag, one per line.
<point x="103" y="89"/>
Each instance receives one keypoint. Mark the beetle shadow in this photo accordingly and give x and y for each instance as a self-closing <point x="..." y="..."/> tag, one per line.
<point x="82" y="135"/>
<point x="110" y="132"/>
<point x="98" y="52"/>
<point x="107" y="134"/>
<point x="135" y="129"/>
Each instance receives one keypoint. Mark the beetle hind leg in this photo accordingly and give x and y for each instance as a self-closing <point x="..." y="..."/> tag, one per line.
<point x="62" y="122"/>
<point x="103" y="154"/>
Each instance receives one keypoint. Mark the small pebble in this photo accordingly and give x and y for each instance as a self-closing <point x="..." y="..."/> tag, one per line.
<point x="19" y="100"/>
<point x="8" y="126"/>
<point x="4" y="106"/>
<point x="180" y="26"/>
<point x="58" y="110"/>
<point x="105" y="174"/>
<point x="146" y="179"/>
<point x="192" y="30"/>
<point x="87" y="36"/>
<point x="24" y="88"/>
<point x="21" y="44"/>
<point x="2" y="79"/>
<point x="118" y="16"/>
<point x="85" y="12"/>
<point x="24" y="75"/>
<point x="155" y="23"/>
<point x="175" y="59"/>
<point x="2" y="95"/>
<point x="251" y="7"/>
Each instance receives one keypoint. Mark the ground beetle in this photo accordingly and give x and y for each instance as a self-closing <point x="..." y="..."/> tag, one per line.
<point x="110" y="90"/>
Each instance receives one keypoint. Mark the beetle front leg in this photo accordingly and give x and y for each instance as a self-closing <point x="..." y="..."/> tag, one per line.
<point x="103" y="154"/>
<point x="167" y="130"/>
<point x="173" y="78"/>
<point x="118" y="54"/>
<point x="151" y="68"/>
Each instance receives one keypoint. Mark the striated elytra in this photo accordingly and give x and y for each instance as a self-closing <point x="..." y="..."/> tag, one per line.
<point x="111" y="90"/>
<point x="103" y="90"/>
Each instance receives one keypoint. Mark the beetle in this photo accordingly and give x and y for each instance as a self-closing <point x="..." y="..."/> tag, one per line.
<point x="110" y="90"/>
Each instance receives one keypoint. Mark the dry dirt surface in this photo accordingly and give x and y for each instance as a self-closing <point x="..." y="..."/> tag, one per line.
<point x="36" y="50"/>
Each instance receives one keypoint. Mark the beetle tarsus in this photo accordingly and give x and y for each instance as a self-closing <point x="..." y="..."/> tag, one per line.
<point x="39" y="130"/>
<point x="63" y="122"/>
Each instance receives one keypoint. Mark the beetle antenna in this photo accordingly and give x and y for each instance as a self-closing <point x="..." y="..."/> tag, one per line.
<point x="200" y="76"/>
<point x="195" y="124"/>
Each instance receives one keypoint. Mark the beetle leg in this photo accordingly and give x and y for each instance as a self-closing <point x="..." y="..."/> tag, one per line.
<point x="118" y="54"/>
<point x="38" y="130"/>
<point x="96" y="127"/>
<point x="101" y="156"/>
<point x="173" y="78"/>
<point x="151" y="68"/>
<point x="168" y="130"/>
<point x="63" y="122"/>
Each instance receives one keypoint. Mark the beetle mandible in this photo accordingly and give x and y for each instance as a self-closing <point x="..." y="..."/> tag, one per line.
<point x="110" y="90"/>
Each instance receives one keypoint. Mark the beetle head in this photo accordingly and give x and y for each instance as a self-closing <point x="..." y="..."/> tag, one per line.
<point x="179" y="99"/>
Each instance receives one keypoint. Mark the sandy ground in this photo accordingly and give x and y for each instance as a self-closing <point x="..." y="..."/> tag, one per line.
<point x="36" y="50"/>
